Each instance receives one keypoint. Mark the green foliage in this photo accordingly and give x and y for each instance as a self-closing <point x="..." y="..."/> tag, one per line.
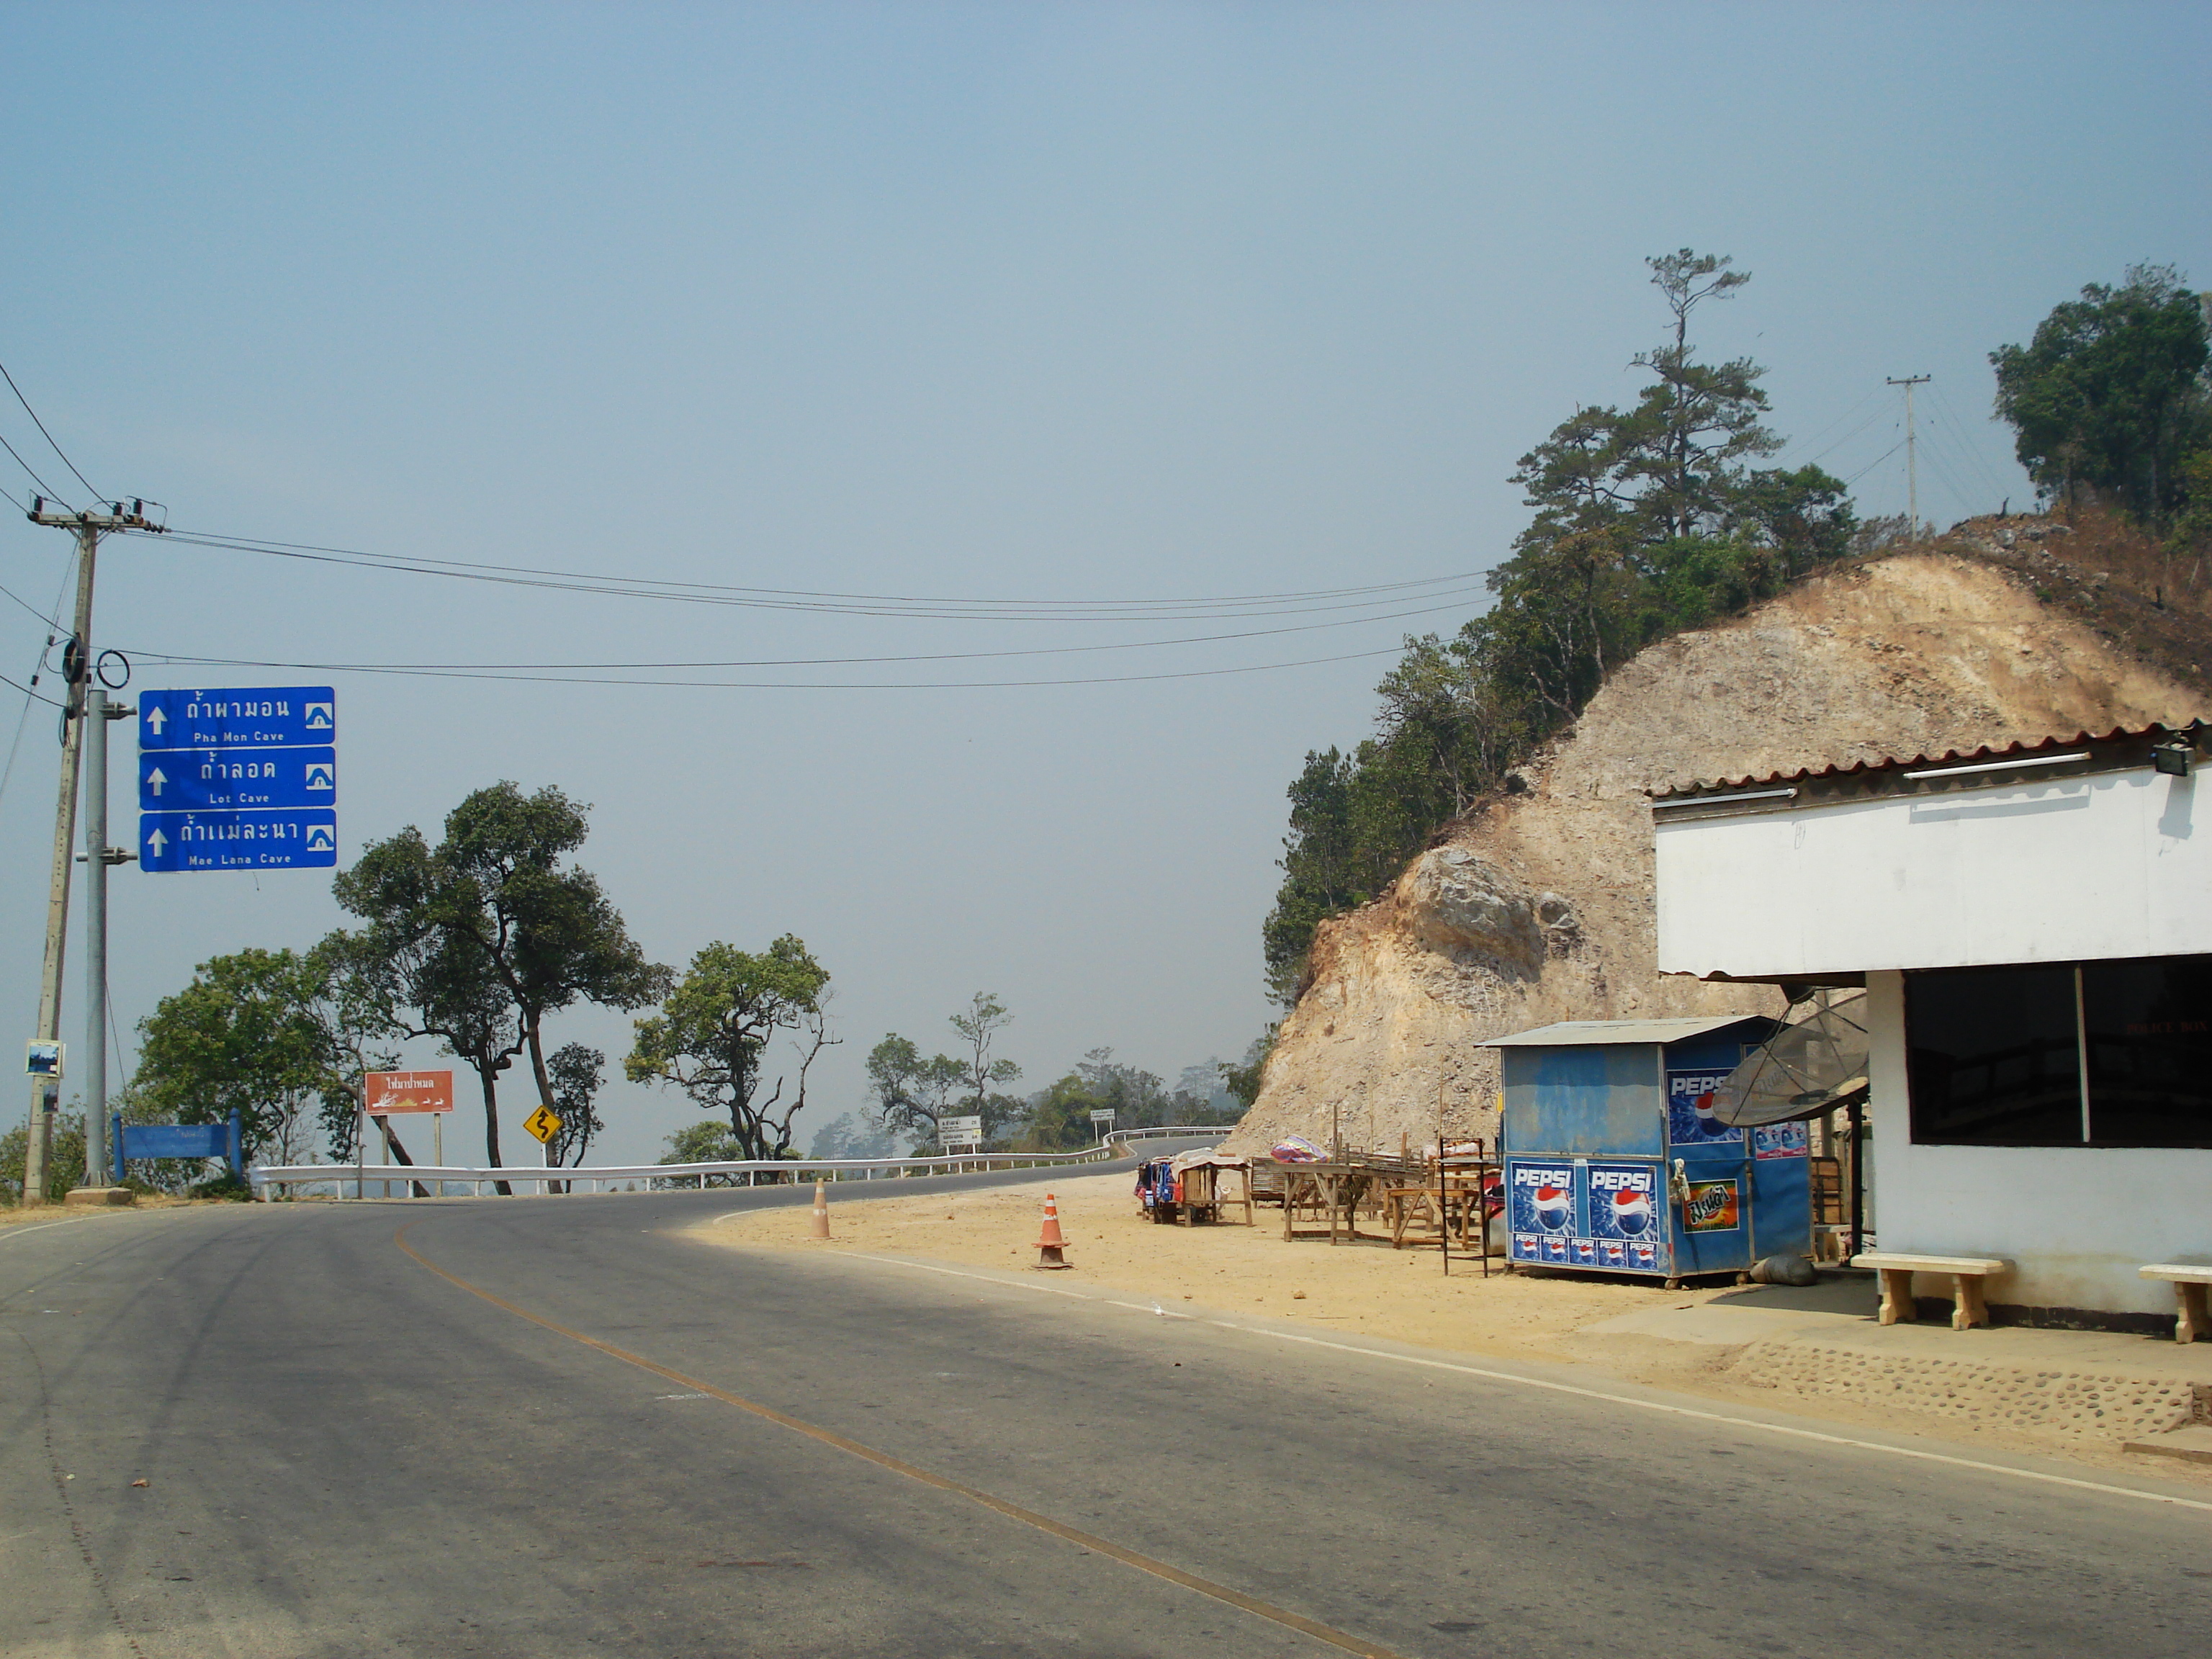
<point x="1646" y="521"/>
<point x="912" y="1095"/>
<point x="249" y="1034"/>
<point x="716" y="1026"/>
<point x="1243" y="1080"/>
<point x="2110" y="392"/>
<point x="576" y="1072"/>
<point x="65" y="1157"/>
<point x="477" y="940"/>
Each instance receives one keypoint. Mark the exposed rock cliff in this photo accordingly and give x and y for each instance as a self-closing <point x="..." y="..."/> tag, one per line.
<point x="1538" y="906"/>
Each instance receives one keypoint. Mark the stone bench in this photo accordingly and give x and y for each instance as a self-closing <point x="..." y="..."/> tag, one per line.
<point x="2189" y="1284"/>
<point x="1965" y="1273"/>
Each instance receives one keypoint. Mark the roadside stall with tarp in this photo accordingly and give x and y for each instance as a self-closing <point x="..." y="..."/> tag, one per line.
<point x="1193" y="1187"/>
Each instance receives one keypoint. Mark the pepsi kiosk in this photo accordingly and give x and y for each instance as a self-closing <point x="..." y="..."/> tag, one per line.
<point x="1615" y="1163"/>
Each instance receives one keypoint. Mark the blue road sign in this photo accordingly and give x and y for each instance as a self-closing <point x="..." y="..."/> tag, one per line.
<point x="210" y="780"/>
<point x="249" y="717"/>
<point x="297" y="838"/>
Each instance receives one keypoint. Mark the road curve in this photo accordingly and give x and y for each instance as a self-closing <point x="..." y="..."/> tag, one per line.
<point x="570" y="1426"/>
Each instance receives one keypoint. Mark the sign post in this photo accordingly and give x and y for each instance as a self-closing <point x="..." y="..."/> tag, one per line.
<point x="961" y="1131"/>
<point x="384" y="1094"/>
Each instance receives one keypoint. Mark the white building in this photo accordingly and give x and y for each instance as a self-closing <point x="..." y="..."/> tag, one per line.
<point x="2033" y="926"/>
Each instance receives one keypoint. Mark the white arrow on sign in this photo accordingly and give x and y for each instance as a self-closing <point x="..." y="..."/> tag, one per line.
<point x="155" y="778"/>
<point x="156" y="719"/>
<point x="157" y="841"/>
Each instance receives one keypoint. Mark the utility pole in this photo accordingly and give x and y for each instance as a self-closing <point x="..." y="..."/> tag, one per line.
<point x="80" y="671"/>
<point x="1911" y="455"/>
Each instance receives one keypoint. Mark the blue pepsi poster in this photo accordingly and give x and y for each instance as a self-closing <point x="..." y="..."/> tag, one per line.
<point x="1689" y="1120"/>
<point x="1628" y="1218"/>
<point x="1540" y="1210"/>
<point x="1607" y="1216"/>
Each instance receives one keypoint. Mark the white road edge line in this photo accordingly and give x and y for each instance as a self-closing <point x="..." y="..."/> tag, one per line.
<point x="17" y="1232"/>
<point x="1661" y="1406"/>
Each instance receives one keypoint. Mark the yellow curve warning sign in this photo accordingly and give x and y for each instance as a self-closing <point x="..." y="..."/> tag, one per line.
<point x="543" y="1123"/>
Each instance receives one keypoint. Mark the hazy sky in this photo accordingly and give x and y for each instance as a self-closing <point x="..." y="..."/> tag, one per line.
<point x="988" y="302"/>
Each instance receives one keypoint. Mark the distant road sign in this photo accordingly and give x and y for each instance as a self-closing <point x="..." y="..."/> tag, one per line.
<point x="243" y="717"/>
<point x="385" y="1093"/>
<point x="300" y="838"/>
<point x="1101" y="1117"/>
<point x="542" y="1123"/>
<point x="216" y="780"/>
<point x="960" y="1128"/>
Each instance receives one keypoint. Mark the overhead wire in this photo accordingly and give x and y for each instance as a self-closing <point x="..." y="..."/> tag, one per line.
<point x="145" y="654"/>
<point x="797" y="685"/>
<point x="43" y="485"/>
<point x="41" y="425"/>
<point x="1223" y="607"/>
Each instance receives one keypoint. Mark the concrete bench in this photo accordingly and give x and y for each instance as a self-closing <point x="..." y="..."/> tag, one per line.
<point x="2189" y="1286"/>
<point x="1966" y="1273"/>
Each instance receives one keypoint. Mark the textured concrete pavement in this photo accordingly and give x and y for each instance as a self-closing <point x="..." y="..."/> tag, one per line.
<point x="345" y="1453"/>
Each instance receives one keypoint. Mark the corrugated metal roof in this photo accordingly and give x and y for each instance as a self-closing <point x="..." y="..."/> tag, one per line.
<point x="1895" y="764"/>
<point x="1605" y="1033"/>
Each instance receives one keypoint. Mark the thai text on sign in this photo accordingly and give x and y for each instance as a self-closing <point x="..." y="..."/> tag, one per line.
<point x="385" y="1093"/>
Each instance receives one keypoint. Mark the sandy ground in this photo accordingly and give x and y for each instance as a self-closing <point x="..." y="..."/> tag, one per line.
<point x="1365" y="1289"/>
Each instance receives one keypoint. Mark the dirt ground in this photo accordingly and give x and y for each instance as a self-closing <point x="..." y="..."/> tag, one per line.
<point x="1366" y="1289"/>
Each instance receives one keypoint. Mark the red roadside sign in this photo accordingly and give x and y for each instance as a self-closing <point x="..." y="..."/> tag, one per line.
<point x="385" y="1093"/>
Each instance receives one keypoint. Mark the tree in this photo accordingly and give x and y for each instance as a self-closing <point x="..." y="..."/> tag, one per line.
<point x="549" y="933"/>
<point x="477" y="941"/>
<point x="1644" y="521"/>
<point x="981" y="1077"/>
<point x="716" y="1025"/>
<point x="248" y="1035"/>
<point x="576" y="1072"/>
<point x="849" y="1136"/>
<point x="1696" y="422"/>
<point x="418" y="968"/>
<point x="2110" y="391"/>
<point x="910" y="1093"/>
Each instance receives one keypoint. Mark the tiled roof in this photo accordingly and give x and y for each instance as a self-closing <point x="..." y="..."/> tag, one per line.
<point x="1872" y="770"/>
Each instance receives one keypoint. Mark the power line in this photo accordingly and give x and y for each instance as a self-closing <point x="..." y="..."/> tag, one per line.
<point x="28" y="692"/>
<point x="41" y="425"/>
<point x="785" y="686"/>
<point x="866" y="605"/>
<point x="28" y="606"/>
<point x="792" y="662"/>
<point x="43" y="485"/>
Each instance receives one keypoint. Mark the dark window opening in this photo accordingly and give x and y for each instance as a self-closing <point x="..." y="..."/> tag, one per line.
<point x="1993" y="1055"/>
<point x="2149" y="1025"/>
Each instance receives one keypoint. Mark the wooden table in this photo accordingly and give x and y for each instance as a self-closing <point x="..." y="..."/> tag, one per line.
<point x="1332" y="1189"/>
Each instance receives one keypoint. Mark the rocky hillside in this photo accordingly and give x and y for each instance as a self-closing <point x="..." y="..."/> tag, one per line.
<point x="1538" y="906"/>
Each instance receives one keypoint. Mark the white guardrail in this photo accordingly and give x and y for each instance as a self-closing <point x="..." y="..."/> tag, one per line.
<point x="280" y="1180"/>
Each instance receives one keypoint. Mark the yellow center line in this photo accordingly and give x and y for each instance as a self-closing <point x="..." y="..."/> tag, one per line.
<point x="1028" y="1517"/>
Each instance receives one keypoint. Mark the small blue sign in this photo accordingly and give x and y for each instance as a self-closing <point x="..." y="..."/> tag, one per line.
<point x="248" y="717"/>
<point x="297" y="838"/>
<point x="212" y="779"/>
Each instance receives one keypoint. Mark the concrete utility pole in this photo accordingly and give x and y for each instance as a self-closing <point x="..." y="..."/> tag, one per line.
<point x="1911" y="455"/>
<point x="80" y="671"/>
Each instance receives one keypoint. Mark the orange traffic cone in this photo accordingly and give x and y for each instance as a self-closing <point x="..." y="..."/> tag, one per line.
<point x="1050" y="1242"/>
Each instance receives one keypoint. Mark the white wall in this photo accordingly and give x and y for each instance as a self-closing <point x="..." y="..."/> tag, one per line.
<point x="2067" y="870"/>
<point x="2078" y="1221"/>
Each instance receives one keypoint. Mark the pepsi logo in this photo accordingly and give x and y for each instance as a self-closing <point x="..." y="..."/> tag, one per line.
<point x="1553" y="1206"/>
<point x="1632" y="1211"/>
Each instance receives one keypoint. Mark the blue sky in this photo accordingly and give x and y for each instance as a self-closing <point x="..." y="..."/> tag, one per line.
<point x="1019" y="301"/>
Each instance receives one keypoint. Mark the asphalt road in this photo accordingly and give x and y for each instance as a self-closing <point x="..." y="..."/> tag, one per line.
<point x="649" y="1445"/>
